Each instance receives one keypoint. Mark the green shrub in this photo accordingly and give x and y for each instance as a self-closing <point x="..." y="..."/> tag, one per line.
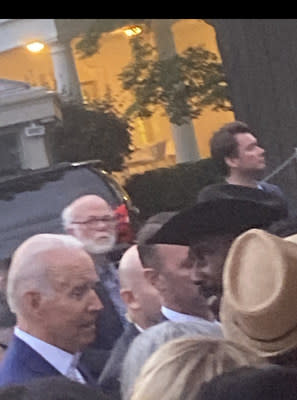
<point x="172" y="188"/>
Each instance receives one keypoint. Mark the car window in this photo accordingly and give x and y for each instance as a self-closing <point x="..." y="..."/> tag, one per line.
<point x="34" y="203"/>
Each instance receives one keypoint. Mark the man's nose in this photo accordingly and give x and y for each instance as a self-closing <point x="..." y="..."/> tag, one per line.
<point x="95" y="302"/>
<point x="101" y="224"/>
<point x="196" y="273"/>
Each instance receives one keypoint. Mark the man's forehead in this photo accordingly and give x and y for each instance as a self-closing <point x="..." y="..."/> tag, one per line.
<point x="245" y="137"/>
<point x="70" y="270"/>
<point x="71" y="256"/>
<point x="93" y="209"/>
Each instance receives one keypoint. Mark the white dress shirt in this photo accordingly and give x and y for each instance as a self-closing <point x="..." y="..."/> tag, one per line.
<point x="61" y="360"/>
<point x="207" y="326"/>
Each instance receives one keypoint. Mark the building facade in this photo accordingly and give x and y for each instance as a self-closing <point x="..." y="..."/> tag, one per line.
<point x="59" y="67"/>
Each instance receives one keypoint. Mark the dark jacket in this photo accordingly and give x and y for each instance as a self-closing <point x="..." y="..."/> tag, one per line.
<point x="266" y="193"/>
<point x="275" y="190"/>
<point x="109" y="378"/>
<point x="21" y="364"/>
<point x="108" y="329"/>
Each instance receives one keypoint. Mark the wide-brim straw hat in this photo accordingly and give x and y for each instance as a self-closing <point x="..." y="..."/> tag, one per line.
<point x="292" y="238"/>
<point x="259" y="304"/>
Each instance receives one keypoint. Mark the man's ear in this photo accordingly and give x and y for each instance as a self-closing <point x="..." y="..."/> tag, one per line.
<point x="129" y="298"/>
<point x="152" y="276"/>
<point x="232" y="162"/>
<point x="32" y="301"/>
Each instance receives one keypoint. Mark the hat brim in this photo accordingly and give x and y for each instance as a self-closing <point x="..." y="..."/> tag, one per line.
<point x="215" y="216"/>
<point x="271" y="348"/>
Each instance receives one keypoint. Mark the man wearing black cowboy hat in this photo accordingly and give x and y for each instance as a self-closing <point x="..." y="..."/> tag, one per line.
<point x="210" y="227"/>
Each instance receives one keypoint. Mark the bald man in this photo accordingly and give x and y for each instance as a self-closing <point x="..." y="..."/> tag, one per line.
<point x="91" y="220"/>
<point x="143" y="310"/>
<point x="51" y="289"/>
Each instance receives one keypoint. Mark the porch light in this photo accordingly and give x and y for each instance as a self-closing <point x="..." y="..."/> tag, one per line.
<point x="133" y="30"/>
<point x="35" y="47"/>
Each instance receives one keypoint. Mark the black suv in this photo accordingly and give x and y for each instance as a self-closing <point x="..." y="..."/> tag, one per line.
<point x="32" y="202"/>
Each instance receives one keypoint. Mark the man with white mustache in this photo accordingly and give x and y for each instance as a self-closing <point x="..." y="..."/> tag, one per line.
<point x="91" y="220"/>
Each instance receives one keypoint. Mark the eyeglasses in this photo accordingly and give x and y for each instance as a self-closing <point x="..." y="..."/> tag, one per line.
<point x="96" y="220"/>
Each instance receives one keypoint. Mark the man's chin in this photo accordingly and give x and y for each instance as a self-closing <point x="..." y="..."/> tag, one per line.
<point x="100" y="248"/>
<point x="88" y="333"/>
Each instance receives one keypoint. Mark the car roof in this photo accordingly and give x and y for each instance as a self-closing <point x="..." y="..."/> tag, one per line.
<point x="32" y="201"/>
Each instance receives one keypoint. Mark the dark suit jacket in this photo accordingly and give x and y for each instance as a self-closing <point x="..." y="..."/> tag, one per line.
<point x="21" y="364"/>
<point x="109" y="378"/>
<point x="108" y="329"/>
<point x="109" y="326"/>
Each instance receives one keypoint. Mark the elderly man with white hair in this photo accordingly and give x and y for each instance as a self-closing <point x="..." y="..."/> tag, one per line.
<point x="91" y="220"/>
<point x="51" y="289"/>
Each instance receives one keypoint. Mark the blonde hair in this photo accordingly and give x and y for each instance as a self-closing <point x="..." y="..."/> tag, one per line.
<point x="178" y="368"/>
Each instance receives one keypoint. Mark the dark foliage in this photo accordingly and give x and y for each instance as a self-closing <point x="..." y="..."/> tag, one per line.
<point x="89" y="43"/>
<point x="170" y="189"/>
<point x="183" y="85"/>
<point x="92" y="132"/>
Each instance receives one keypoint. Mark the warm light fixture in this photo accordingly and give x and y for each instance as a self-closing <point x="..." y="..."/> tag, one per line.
<point x="133" y="30"/>
<point x="35" y="47"/>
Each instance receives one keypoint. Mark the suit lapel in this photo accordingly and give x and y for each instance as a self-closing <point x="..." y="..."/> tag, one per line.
<point x="86" y="374"/>
<point x="30" y="358"/>
<point x="34" y="362"/>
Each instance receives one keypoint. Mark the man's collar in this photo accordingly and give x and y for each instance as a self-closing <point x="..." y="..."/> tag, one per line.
<point x="58" y="358"/>
<point x="181" y="317"/>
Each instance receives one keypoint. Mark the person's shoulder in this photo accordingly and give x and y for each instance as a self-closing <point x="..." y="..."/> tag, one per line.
<point x="211" y="191"/>
<point x="14" y="368"/>
<point x="270" y="187"/>
<point x="273" y="189"/>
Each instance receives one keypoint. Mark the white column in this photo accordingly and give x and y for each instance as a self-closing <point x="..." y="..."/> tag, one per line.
<point x="184" y="137"/>
<point x="67" y="80"/>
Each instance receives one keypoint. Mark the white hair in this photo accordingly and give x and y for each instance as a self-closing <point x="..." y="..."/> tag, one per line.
<point x="28" y="270"/>
<point x="66" y="217"/>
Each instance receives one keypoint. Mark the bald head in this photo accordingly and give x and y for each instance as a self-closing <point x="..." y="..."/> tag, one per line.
<point x="141" y="298"/>
<point x="91" y="220"/>
<point x="130" y="268"/>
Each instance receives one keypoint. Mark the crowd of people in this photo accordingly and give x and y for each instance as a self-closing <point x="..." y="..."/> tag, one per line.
<point x="200" y="306"/>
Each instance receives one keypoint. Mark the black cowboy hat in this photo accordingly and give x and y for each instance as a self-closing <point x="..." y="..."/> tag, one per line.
<point x="215" y="216"/>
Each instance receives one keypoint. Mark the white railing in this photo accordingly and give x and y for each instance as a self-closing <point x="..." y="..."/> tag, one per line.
<point x="282" y="166"/>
